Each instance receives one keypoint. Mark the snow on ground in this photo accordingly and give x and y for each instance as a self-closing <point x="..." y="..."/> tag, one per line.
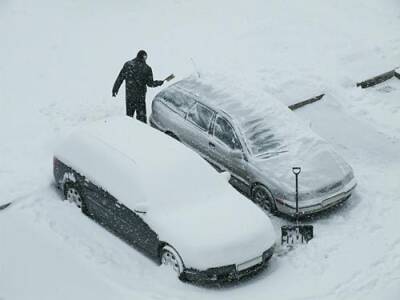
<point x="379" y="106"/>
<point x="59" y="61"/>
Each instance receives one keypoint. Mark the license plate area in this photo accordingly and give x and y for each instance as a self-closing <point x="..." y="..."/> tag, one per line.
<point x="249" y="263"/>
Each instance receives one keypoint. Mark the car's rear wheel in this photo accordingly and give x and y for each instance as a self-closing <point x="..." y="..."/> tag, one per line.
<point x="263" y="198"/>
<point x="171" y="258"/>
<point x="171" y="134"/>
<point x="72" y="194"/>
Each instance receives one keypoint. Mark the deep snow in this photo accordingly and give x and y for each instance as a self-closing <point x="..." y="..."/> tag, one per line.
<point x="59" y="61"/>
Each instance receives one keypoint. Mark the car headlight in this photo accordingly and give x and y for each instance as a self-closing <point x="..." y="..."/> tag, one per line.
<point x="268" y="253"/>
<point x="221" y="270"/>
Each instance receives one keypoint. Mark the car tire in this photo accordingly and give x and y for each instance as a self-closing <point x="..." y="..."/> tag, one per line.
<point x="171" y="134"/>
<point x="73" y="194"/>
<point x="263" y="198"/>
<point x="171" y="258"/>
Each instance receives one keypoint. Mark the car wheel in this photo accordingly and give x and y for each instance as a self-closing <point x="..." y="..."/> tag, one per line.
<point x="172" y="135"/>
<point x="73" y="195"/>
<point x="171" y="258"/>
<point x="263" y="198"/>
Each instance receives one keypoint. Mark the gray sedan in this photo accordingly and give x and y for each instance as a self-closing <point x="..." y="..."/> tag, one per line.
<point x="257" y="141"/>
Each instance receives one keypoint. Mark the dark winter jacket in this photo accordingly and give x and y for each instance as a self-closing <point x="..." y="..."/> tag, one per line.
<point x="138" y="76"/>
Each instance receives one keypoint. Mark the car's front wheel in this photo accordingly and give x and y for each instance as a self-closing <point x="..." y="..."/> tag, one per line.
<point x="73" y="194"/>
<point x="171" y="258"/>
<point x="263" y="198"/>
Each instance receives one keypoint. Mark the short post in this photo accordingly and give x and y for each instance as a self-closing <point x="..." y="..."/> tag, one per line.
<point x="291" y="234"/>
<point x="296" y="171"/>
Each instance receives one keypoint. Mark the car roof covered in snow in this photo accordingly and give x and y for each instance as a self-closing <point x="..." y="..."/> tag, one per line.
<point x="267" y="125"/>
<point x="137" y="163"/>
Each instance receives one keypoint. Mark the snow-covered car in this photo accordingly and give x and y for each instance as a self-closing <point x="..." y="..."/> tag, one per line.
<point x="257" y="140"/>
<point x="163" y="199"/>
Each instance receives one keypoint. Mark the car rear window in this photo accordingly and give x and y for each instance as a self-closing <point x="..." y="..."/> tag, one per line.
<point x="201" y="116"/>
<point x="178" y="102"/>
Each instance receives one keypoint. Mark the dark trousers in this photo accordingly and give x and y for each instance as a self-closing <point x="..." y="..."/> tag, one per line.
<point x="139" y="107"/>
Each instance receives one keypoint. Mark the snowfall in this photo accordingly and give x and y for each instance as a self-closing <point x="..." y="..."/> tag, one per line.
<point x="59" y="60"/>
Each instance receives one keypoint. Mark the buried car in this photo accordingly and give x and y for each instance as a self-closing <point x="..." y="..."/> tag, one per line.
<point x="257" y="140"/>
<point x="164" y="200"/>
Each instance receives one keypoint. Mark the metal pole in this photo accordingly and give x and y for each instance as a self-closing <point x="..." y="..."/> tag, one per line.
<point x="296" y="172"/>
<point x="297" y="198"/>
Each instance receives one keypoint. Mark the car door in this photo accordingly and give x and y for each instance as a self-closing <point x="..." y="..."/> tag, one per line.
<point x="96" y="203"/>
<point x="129" y="226"/>
<point x="136" y="231"/>
<point x="197" y="127"/>
<point x="227" y="150"/>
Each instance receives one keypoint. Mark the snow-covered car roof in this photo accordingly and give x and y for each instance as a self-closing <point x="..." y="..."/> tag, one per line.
<point x="267" y="125"/>
<point x="118" y="152"/>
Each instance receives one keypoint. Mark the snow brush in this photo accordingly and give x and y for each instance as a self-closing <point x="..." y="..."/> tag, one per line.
<point x="299" y="233"/>
<point x="170" y="77"/>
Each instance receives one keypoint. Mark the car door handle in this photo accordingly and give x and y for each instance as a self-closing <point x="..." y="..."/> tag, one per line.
<point x="211" y="145"/>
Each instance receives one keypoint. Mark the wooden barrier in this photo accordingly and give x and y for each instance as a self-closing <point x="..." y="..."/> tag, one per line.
<point x="305" y="102"/>
<point x="397" y="73"/>
<point x="4" y="206"/>
<point x="379" y="79"/>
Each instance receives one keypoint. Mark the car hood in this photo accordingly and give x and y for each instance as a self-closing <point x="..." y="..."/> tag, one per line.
<point x="217" y="232"/>
<point x="322" y="170"/>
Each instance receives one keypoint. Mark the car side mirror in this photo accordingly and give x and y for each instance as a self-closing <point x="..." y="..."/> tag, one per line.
<point x="141" y="208"/>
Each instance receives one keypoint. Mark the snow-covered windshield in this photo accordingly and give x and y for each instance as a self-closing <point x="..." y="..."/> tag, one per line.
<point x="268" y="127"/>
<point x="261" y="139"/>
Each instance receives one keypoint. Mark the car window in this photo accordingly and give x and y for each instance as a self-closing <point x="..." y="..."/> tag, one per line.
<point x="179" y="102"/>
<point x="225" y="133"/>
<point x="201" y="116"/>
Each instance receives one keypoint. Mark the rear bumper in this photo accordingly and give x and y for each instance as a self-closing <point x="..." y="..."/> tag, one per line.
<point x="226" y="274"/>
<point x="154" y="124"/>
<point x="321" y="205"/>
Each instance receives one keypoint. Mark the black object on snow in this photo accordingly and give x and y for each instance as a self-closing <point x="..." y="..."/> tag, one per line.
<point x="5" y="205"/>
<point x="305" y="102"/>
<point x="379" y="78"/>
<point x="397" y="73"/>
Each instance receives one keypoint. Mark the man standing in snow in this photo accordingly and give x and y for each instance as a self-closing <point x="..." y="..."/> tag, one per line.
<point x="138" y="76"/>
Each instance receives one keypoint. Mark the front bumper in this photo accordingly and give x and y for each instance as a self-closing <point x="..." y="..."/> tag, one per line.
<point x="320" y="205"/>
<point x="226" y="274"/>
